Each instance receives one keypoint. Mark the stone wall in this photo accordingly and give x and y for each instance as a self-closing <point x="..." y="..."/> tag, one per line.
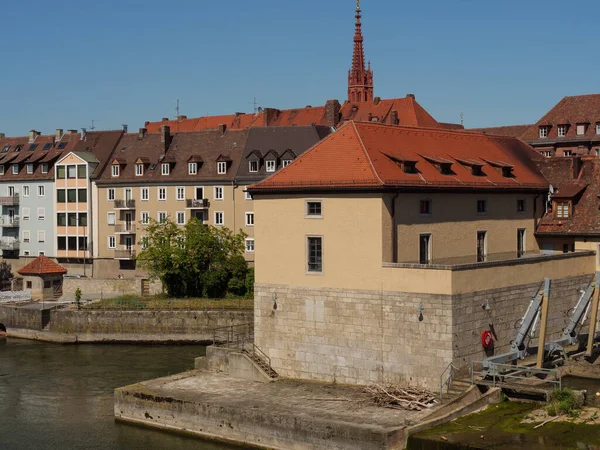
<point x="15" y="317"/>
<point x="359" y="337"/>
<point x="108" y="287"/>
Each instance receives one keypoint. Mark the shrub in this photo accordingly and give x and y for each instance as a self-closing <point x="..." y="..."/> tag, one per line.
<point x="564" y="401"/>
<point x="78" y="298"/>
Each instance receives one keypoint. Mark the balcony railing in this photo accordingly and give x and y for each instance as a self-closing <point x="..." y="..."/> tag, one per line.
<point x="11" y="200"/>
<point x="125" y="228"/>
<point x="124" y="204"/>
<point x="197" y="204"/>
<point x="125" y="254"/>
<point x="10" y="244"/>
<point x="9" y="221"/>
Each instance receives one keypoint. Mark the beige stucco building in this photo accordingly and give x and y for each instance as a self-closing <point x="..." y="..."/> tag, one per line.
<point x="380" y="246"/>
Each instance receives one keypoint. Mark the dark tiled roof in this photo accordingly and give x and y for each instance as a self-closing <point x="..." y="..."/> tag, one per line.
<point x="509" y="130"/>
<point x="281" y="140"/>
<point x="100" y="144"/>
<point x="42" y="266"/>
<point x="569" y="190"/>
<point x="366" y="155"/>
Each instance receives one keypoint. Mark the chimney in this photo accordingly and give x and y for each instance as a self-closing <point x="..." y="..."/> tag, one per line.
<point x="2" y="135"/>
<point x="410" y="96"/>
<point x="222" y="128"/>
<point x="332" y="113"/>
<point x="125" y="128"/>
<point x="165" y="137"/>
<point x="146" y="123"/>
<point x="165" y="119"/>
<point x="376" y="100"/>
<point x="180" y="118"/>
<point x="59" y="134"/>
<point x="142" y="133"/>
<point x="394" y="117"/>
<point x="576" y="164"/>
<point x="33" y="135"/>
<point x="83" y="134"/>
<point x="269" y="116"/>
<point x="72" y="131"/>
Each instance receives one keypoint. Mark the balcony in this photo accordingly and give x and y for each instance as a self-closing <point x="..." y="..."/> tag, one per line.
<point x="9" y="244"/>
<point x="196" y="204"/>
<point x="125" y="228"/>
<point x="11" y="200"/>
<point x="124" y="204"/>
<point x="126" y="254"/>
<point x="9" y="221"/>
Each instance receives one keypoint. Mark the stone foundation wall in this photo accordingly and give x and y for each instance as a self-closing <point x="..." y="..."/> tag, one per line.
<point x="110" y="287"/>
<point x="361" y="337"/>
<point x="13" y="317"/>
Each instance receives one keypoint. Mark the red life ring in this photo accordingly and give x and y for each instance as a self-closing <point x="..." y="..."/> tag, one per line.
<point x="487" y="339"/>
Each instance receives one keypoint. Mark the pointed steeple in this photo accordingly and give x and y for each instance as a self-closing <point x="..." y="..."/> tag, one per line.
<point x="360" y="78"/>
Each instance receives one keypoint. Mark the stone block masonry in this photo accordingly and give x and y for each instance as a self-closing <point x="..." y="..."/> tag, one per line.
<point x="361" y="337"/>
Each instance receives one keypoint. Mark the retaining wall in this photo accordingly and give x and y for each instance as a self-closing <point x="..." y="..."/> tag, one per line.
<point x="15" y="317"/>
<point x="108" y="287"/>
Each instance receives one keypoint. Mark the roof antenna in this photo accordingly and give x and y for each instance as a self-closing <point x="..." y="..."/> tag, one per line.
<point x="92" y="126"/>
<point x="177" y="109"/>
<point x="255" y="105"/>
<point x="462" y="119"/>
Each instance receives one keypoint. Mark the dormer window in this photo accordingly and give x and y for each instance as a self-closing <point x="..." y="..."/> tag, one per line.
<point x="253" y="166"/>
<point x="562" y="130"/>
<point x="2" y="170"/>
<point x="15" y="169"/>
<point x="568" y="153"/>
<point x="409" y="167"/>
<point x="547" y="153"/>
<point x="581" y="129"/>
<point x="505" y="169"/>
<point x="563" y="209"/>
<point x="165" y="169"/>
<point x="115" y="170"/>
<point x="543" y="132"/>
<point x="222" y="167"/>
<point x="271" y="165"/>
<point x="6" y="148"/>
<point x="44" y="167"/>
<point x="17" y="148"/>
<point x="286" y="162"/>
<point x="507" y="172"/>
<point x="29" y="168"/>
<point x="192" y="168"/>
<point x="443" y="166"/>
<point x="139" y="170"/>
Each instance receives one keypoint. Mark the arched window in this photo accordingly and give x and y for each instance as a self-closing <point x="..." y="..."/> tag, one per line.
<point x="359" y="97"/>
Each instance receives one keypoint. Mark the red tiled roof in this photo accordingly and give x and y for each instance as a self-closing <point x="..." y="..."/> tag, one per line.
<point x="370" y="155"/>
<point x="409" y="112"/>
<point x="509" y="130"/>
<point x="42" y="266"/>
<point x="569" y="111"/>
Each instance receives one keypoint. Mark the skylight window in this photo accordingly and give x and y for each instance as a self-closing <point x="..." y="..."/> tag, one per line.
<point x="62" y="145"/>
<point x="32" y="147"/>
<point x="5" y="148"/>
<point x="152" y="166"/>
<point x="47" y="146"/>
<point x="17" y="149"/>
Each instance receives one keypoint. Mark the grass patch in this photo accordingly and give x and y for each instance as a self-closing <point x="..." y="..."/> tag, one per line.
<point x="564" y="401"/>
<point x="161" y="303"/>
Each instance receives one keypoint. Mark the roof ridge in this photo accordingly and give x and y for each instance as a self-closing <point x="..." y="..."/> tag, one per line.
<point x="364" y="149"/>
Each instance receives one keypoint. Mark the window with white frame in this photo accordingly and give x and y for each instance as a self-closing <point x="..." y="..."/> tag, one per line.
<point x="11" y="191"/>
<point x="248" y="195"/>
<point x="110" y="194"/>
<point x="567" y="153"/>
<point x="581" y="129"/>
<point x="1" y="170"/>
<point x="26" y="236"/>
<point x="192" y="168"/>
<point x="249" y="219"/>
<point x="139" y="170"/>
<point x="145" y="218"/>
<point x="221" y="167"/>
<point x="219" y="218"/>
<point x="162" y="216"/>
<point x="111" y="218"/>
<point x="180" y="193"/>
<point x="562" y="130"/>
<point x="543" y="132"/>
<point x="41" y="213"/>
<point x="25" y="191"/>
<point x="15" y="169"/>
<point x="547" y="153"/>
<point x="253" y="166"/>
<point x="218" y="193"/>
<point x="597" y="127"/>
<point x="145" y="194"/>
<point x="41" y="236"/>
<point x="41" y="190"/>
<point x="180" y="217"/>
<point x="29" y="168"/>
<point x="112" y="242"/>
<point x="165" y="169"/>
<point x="115" y="170"/>
<point x="249" y="245"/>
<point x="25" y="213"/>
<point x="44" y="167"/>
<point x="271" y="164"/>
<point x="286" y="162"/>
<point x="162" y="194"/>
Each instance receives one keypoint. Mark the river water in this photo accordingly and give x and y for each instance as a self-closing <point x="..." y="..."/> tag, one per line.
<point x="61" y="397"/>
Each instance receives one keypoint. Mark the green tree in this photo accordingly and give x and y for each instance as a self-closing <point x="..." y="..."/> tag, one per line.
<point x="196" y="260"/>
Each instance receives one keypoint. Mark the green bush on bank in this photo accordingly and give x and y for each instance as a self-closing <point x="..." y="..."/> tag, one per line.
<point x="564" y="401"/>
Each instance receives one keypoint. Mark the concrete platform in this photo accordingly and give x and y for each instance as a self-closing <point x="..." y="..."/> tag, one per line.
<point x="287" y="414"/>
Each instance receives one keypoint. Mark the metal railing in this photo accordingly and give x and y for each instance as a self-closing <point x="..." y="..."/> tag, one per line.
<point x="10" y="245"/>
<point x="10" y="200"/>
<point x="9" y="221"/>
<point x="233" y="336"/>
<point x="124" y="204"/>
<point x="446" y="379"/>
<point x="124" y="254"/>
<point x="506" y="373"/>
<point x="256" y="353"/>
<point x="125" y="228"/>
<point x="202" y="203"/>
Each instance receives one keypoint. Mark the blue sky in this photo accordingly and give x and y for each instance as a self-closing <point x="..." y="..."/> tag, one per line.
<point x="68" y="62"/>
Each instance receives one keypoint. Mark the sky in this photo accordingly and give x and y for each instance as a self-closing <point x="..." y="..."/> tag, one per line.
<point x="66" y="63"/>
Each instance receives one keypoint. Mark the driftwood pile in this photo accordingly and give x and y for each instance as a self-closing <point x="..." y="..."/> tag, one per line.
<point x="401" y="397"/>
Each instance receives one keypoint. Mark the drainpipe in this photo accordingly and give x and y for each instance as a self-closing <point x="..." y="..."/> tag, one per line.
<point x="535" y="220"/>
<point x="394" y="231"/>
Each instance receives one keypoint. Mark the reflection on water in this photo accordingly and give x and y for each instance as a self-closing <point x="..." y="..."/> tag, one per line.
<point x="61" y="397"/>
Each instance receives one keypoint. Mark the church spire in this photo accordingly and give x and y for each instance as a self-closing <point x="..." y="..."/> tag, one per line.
<point x="360" y="78"/>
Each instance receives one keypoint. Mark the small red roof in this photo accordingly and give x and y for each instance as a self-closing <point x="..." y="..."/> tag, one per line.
<point x="569" y="190"/>
<point x="42" y="266"/>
